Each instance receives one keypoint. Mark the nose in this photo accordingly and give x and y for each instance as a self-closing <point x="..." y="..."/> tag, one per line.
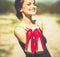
<point x="33" y="6"/>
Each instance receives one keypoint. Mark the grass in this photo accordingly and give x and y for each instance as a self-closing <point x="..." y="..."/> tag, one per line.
<point x="52" y="15"/>
<point x="6" y="52"/>
<point x="6" y="14"/>
<point x="7" y="22"/>
<point x="58" y="21"/>
<point x="14" y="20"/>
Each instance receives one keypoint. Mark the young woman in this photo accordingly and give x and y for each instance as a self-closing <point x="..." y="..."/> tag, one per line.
<point x="28" y="32"/>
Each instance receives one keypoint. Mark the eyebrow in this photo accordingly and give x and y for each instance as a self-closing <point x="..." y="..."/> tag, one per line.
<point x="30" y="1"/>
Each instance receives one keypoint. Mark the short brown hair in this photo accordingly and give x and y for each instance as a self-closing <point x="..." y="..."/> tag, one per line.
<point x="18" y="6"/>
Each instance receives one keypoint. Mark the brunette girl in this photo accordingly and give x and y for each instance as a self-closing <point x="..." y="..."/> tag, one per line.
<point x="28" y="32"/>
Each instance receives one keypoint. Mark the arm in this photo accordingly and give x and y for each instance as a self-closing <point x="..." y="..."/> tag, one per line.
<point x="20" y="33"/>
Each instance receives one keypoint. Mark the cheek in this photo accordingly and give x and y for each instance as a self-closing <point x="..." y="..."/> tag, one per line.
<point x="36" y="8"/>
<point x="26" y="8"/>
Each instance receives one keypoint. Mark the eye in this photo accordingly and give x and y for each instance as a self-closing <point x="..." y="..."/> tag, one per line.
<point x="34" y="3"/>
<point x="28" y="4"/>
<point x="31" y="3"/>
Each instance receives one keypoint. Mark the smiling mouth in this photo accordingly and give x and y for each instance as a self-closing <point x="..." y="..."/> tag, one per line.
<point x="33" y="9"/>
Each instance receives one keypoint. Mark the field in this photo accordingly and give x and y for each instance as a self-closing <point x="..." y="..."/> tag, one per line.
<point x="9" y="46"/>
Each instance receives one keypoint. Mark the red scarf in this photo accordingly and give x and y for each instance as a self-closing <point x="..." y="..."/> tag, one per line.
<point x="33" y="35"/>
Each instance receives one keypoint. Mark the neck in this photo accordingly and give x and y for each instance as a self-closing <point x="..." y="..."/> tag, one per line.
<point x="27" y="19"/>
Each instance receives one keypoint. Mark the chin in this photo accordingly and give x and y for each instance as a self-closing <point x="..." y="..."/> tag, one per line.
<point x="33" y="13"/>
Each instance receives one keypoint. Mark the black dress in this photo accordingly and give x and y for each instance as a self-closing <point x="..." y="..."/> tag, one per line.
<point x="44" y="54"/>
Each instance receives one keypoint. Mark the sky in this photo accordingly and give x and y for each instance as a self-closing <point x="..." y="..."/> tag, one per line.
<point x="46" y="0"/>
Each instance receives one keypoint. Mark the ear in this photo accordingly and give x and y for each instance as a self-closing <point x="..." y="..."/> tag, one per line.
<point x="21" y="10"/>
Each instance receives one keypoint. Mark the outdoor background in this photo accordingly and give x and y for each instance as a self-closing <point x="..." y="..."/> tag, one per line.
<point x="48" y="11"/>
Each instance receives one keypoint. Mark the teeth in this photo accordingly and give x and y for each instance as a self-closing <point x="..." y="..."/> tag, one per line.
<point x="33" y="9"/>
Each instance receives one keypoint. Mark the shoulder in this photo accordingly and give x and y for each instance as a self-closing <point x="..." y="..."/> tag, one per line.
<point x="39" y="22"/>
<point x="20" y="33"/>
<point x="19" y="29"/>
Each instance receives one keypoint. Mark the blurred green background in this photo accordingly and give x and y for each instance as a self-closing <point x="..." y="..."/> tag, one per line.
<point x="9" y="46"/>
<point x="50" y="8"/>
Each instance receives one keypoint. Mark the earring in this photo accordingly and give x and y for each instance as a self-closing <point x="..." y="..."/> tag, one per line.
<point x="21" y="10"/>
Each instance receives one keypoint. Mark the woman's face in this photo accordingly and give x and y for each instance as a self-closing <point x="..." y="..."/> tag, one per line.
<point x="29" y="7"/>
